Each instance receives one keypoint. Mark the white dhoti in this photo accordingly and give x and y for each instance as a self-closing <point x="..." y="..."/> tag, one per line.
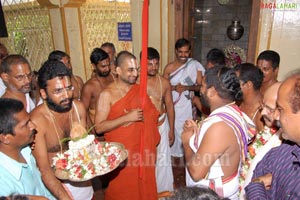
<point x="184" y="75"/>
<point x="183" y="111"/>
<point x="163" y="169"/>
<point x="80" y="190"/>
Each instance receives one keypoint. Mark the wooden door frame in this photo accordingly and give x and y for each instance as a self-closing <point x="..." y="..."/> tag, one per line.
<point x="184" y="25"/>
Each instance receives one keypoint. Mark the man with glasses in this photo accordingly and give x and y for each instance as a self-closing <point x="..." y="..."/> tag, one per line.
<point x="16" y="74"/>
<point x="277" y="175"/>
<point x="268" y="61"/>
<point x="264" y="140"/>
<point x="54" y="120"/>
<point x="75" y="80"/>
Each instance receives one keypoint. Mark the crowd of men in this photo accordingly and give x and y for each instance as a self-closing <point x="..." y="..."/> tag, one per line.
<point x="247" y="146"/>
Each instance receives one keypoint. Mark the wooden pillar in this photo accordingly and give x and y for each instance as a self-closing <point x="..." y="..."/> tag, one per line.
<point x="253" y="32"/>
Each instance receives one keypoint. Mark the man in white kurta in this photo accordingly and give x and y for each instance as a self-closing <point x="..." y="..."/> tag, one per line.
<point x="185" y="75"/>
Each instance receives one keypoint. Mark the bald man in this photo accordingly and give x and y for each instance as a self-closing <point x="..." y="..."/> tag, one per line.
<point x="277" y="175"/>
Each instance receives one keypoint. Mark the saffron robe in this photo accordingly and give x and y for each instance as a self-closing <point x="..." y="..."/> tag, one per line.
<point x="135" y="180"/>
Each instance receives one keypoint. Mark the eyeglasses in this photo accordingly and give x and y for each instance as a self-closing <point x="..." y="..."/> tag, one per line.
<point x="24" y="76"/>
<point x="268" y="108"/>
<point x="60" y="91"/>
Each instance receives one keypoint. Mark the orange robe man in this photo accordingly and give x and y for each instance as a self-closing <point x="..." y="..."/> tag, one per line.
<point x="136" y="179"/>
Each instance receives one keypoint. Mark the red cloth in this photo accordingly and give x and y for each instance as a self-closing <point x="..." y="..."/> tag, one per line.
<point x="125" y="182"/>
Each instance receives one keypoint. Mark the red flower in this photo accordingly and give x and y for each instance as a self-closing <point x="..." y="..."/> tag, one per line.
<point x="61" y="164"/>
<point x="263" y="141"/>
<point x="112" y="158"/>
<point x="91" y="168"/>
<point x="251" y="151"/>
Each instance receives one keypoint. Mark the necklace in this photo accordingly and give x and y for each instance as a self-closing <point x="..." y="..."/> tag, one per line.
<point x="56" y="127"/>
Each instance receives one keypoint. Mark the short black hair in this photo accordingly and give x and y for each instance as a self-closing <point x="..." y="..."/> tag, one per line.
<point x="182" y="42"/>
<point x="9" y="107"/>
<point x="97" y="55"/>
<point x="57" y="55"/>
<point x="216" y="56"/>
<point x="152" y="54"/>
<point x="250" y="72"/>
<point x="225" y="82"/>
<point x="195" y="193"/>
<point x="121" y="57"/>
<point x="271" y="56"/>
<point x="51" y="69"/>
<point x="12" y="59"/>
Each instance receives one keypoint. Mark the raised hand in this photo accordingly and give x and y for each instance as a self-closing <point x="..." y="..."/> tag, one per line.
<point x="135" y="115"/>
<point x="189" y="128"/>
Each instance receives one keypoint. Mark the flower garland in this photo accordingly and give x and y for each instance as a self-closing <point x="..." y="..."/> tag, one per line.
<point x="254" y="148"/>
<point x="234" y="55"/>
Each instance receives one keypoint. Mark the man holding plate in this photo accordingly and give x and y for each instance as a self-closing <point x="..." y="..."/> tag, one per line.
<point x="54" y="120"/>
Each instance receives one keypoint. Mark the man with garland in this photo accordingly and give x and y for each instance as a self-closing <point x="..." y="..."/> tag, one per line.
<point x="266" y="139"/>
<point x="277" y="175"/>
